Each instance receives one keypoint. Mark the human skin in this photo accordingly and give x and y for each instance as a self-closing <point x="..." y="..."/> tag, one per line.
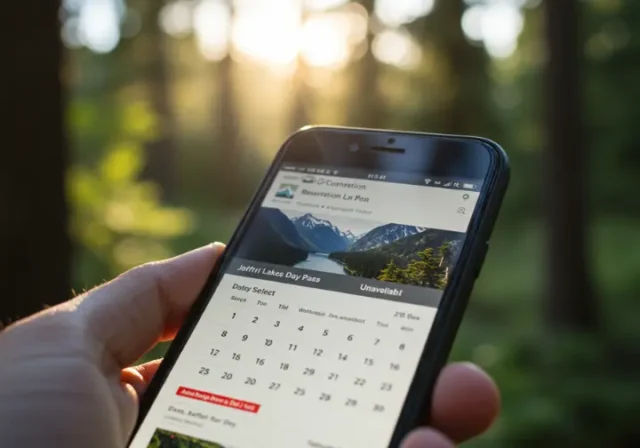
<point x="66" y="375"/>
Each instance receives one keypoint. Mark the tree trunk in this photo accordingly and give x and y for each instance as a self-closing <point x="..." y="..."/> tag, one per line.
<point x="229" y="154"/>
<point x="301" y="97"/>
<point x="161" y="152"/>
<point x="569" y="300"/>
<point x="35" y="249"/>
<point x="367" y="109"/>
<point x="464" y="106"/>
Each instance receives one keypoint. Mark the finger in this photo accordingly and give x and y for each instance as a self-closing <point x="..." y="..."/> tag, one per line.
<point x="466" y="401"/>
<point x="426" y="438"/>
<point x="140" y="376"/>
<point x="128" y="315"/>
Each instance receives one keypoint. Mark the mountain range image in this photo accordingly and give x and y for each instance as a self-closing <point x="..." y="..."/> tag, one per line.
<point x="384" y="235"/>
<point x="391" y="252"/>
<point x="273" y="238"/>
<point x="321" y="235"/>
<point x="421" y="259"/>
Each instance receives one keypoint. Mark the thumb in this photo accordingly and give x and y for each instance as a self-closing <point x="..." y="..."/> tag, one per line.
<point x="128" y="315"/>
<point x="426" y="438"/>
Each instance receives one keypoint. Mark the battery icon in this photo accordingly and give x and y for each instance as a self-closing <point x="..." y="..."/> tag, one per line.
<point x="468" y="186"/>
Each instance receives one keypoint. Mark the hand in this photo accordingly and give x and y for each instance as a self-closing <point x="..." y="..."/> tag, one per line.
<point x="465" y="404"/>
<point x="66" y="380"/>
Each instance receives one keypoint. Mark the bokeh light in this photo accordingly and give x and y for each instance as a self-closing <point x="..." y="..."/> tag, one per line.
<point x="497" y="25"/>
<point x="71" y="33"/>
<point x="212" y="25"/>
<point x="268" y="32"/>
<point x="472" y="22"/>
<point x="99" y="25"/>
<point x="323" y="5"/>
<point x="275" y="33"/>
<point x="398" y="48"/>
<point x="175" y="18"/>
<point x="399" y="12"/>
<point x="325" y="41"/>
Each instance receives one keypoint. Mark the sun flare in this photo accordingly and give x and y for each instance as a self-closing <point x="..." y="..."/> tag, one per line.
<point x="276" y="33"/>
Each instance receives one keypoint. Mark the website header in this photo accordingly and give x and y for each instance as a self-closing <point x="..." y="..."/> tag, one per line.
<point x="378" y="202"/>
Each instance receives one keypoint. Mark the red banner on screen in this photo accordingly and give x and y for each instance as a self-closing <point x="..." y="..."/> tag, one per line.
<point x="219" y="400"/>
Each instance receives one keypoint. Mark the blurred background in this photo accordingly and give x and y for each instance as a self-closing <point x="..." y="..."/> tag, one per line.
<point x="139" y="129"/>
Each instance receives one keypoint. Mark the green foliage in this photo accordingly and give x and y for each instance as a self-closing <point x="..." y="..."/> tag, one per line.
<point x="429" y="269"/>
<point x="168" y="439"/>
<point x="423" y="259"/>
<point x="391" y="273"/>
<point x="611" y="81"/>
<point x="566" y="390"/>
<point x="558" y="390"/>
<point x="407" y="261"/>
<point x="119" y="219"/>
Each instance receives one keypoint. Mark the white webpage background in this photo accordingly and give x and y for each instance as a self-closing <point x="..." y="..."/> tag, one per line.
<point x="286" y="420"/>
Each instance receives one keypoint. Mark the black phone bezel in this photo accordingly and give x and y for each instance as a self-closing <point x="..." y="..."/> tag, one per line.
<point x="415" y="410"/>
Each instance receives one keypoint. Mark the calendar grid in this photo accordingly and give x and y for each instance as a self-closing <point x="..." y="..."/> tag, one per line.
<point x="315" y="356"/>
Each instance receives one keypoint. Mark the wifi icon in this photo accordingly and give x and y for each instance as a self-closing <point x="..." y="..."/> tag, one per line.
<point x="427" y="181"/>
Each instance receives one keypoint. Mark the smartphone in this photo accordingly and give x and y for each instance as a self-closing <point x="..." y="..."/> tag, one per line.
<point x="334" y="307"/>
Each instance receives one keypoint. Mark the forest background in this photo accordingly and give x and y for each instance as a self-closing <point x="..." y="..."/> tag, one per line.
<point x="137" y="129"/>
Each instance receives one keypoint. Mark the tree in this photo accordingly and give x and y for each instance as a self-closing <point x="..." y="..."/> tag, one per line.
<point x="367" y="109"/>
<point x="569" y="300"/>
<point x="391" y="273"/>
<point x="36" y="250"/>
<point x="464" y="106"/>
<point x="302" y="95"/>
<point x="429" y="269"/>
<point x="155" y="68"/>
<point x="229" y="152"/>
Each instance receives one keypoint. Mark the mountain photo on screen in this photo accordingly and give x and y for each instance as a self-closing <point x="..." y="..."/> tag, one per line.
<point x="389" y="252"/>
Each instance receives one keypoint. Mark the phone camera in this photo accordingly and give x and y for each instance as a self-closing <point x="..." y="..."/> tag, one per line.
<point x="391" y="140"/>
<point x="354" y="147"/>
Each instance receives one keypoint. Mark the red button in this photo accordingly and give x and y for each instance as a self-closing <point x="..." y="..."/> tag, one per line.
<point x="219" y="400"/>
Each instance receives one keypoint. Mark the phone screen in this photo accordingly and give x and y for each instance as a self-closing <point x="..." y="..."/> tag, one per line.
<point x="314" y="333"/>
